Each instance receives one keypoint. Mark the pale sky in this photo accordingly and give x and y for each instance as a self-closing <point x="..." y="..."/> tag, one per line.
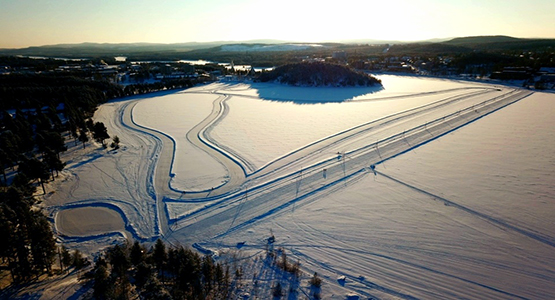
<point x="26" y="23"/>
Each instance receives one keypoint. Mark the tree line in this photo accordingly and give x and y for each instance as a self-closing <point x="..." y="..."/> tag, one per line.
<point x="158" y="273"/>
<point x="134" y="271"/>
<point x="28" y="247"/>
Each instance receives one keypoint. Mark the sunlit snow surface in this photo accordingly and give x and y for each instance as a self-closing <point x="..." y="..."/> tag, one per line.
<point x="266" y="121"/>
<point x="394" y="241"/>
<point x="467" y="214"/>
<point x="175" y="115"/>
<point x="262" y="130"/>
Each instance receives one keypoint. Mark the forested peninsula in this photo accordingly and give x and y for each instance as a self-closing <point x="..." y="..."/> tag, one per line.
<point x="318" y="74"/>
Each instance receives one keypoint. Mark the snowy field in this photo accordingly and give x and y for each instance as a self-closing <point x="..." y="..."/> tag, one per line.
<point x="422" y="189"/>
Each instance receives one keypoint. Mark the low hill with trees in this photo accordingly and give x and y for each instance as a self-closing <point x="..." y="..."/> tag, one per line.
<point x="318" y="74"/>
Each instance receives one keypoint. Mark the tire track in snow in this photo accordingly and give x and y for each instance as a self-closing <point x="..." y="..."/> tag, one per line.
<point x="333" y="243"/>
<point x="334" y="139"/>
<point x="393" y="259"/>
<point x="475" y="213"/>
<point x="162" y="163"/>
<point x="393" y="146"/>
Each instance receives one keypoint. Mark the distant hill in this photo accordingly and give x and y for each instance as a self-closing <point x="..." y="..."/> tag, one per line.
<point x="476" y="40"/>
<point x="318" y="74"/>
<point x="125" y="49"/>
<point x="496" y="43"/>
<point x="500" y="43"/>
<point x="391" y="42"/>
<point x="268" y="51"/>
<point x="427" y="48"/>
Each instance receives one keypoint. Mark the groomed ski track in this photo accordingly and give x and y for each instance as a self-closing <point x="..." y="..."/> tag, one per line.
<point x="300" y="173"/>
<point x="262" y="200"/>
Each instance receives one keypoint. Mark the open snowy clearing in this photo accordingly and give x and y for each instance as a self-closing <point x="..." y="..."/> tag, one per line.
<point x="305" y="172"/>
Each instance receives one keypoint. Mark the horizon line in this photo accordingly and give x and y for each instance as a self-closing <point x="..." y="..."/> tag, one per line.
<point x="260" y="40"/>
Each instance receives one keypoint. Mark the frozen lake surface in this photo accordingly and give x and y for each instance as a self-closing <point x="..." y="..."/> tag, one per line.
<point x="425" y="189"/>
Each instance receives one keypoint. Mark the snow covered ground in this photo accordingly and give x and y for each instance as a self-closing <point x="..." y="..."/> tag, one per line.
<point x="426" y="188"/>
<point x="191" y="169"/>
<point x="471" y="216"/>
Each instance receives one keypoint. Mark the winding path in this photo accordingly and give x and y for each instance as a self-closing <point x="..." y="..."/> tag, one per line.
<point x="236" y="172"/>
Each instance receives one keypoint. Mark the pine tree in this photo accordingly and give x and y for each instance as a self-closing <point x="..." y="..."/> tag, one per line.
<point x="78" y="260"/>
<point x="115" y="143"/>
<point x="66" y="257"/>
<point x="4" y="162"/>
<point x="119" y="260"/>
<point x="208" y="274"/>
<point x="43" y="245"/>
<point x="102" y="286"/>
<point x="159" y="255"/>
<point x="53" y="162"/>
<point x="143" y="274"/>
<point x="137" y="254"/>
<point x="28" y="242"/>
<point x="83" y="138"/>
<point x="100" y="133"/>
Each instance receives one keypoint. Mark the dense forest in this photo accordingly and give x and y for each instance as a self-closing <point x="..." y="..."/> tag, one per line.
<point x="135" y="271"/>
<point x="318" y="74"/>
<point x="158" y="273"/>
<point x="28" y="247"/>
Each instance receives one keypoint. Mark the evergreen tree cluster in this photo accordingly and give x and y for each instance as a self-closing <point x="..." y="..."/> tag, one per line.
<point x="129" y="271"/>
<point x="28" y="247"/>
<point x="32" y="141"/>
<point x="318" y="74"/>
<point x="143" y="88"/>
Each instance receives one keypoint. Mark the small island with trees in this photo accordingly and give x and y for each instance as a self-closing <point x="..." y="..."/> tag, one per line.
<point x="318" y="74"/>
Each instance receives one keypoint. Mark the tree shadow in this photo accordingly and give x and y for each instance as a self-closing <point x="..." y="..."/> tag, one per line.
<point x="311" y="95"/>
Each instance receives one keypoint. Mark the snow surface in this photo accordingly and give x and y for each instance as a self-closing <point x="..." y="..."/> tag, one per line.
<point x="175" y="115"/>
<point x="512" y="166"/>
<point x="427" y="188"/>
<point x="288" y="126"/>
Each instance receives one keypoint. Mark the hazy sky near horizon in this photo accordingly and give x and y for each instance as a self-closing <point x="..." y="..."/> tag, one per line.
<point x="45" y="22"/>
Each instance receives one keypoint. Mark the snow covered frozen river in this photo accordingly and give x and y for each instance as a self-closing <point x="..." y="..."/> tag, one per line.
<point x="425" y="189"/>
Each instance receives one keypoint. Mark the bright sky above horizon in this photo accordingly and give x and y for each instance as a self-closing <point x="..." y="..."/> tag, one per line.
<point x="26" y="23"/>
